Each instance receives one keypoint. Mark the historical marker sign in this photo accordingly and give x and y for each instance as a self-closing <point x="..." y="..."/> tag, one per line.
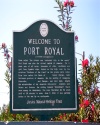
<point x="43" y="74"/>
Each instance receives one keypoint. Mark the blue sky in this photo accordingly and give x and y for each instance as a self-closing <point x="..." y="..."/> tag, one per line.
<point x="17" y="15"/>
<point x="86" y="23"/>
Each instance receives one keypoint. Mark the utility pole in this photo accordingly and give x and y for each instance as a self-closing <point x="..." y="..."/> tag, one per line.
<point x="83" y="55"/>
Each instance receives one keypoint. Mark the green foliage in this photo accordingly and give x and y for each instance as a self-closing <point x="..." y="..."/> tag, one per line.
<point x="7" y="77"/>
<point x="90" y="78"/>
<point x="89" y="95"/>
<point x="7" y="116"/>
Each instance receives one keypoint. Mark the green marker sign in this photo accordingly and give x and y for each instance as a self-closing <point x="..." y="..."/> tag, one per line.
<point x="44" y="70"/>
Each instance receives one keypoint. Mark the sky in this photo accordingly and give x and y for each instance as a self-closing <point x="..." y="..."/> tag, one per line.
<point x="17" y="15"/>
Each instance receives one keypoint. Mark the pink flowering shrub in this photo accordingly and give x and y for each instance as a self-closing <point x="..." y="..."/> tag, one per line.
<point x="65" y="10"/>
<point x="7" y="58"/>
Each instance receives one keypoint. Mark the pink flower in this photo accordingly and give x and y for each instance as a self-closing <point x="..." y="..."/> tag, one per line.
<point x="85" y="63"/>
<point x="5" y="54"/>
<point x="80" y="90"/>
<point x="84" y="70"/>
<point x="66" y="25"/>
<point x="92" y="107"/>
<point x="81" y="105"/>
<point x="86" y="102"/>
<point x="3" y="45"/>
<point x="76" y="38"/>
<point x="9" y="64"/>
<point x="71" y="3"/>
<point x="85" y="120"/>
<point x="96" y="91"/>
<point x="66" y="3"/>
<point x="8" y="56"/>
<point x="61" y="116"/>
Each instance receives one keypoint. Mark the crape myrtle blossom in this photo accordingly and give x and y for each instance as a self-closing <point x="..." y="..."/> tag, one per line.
<point x="80" y="90"/>
<point x="92" y="107"/>
<point x="96" y="91"/>
<point x="76" y="38"/>
<point x="68" y="3"/>
<point x="3" y="45"/>
<point x="85" y="120"/>
<point x="85" y="63"/>
<point x="85" y="103"/>
<point x="71" y="3"/>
